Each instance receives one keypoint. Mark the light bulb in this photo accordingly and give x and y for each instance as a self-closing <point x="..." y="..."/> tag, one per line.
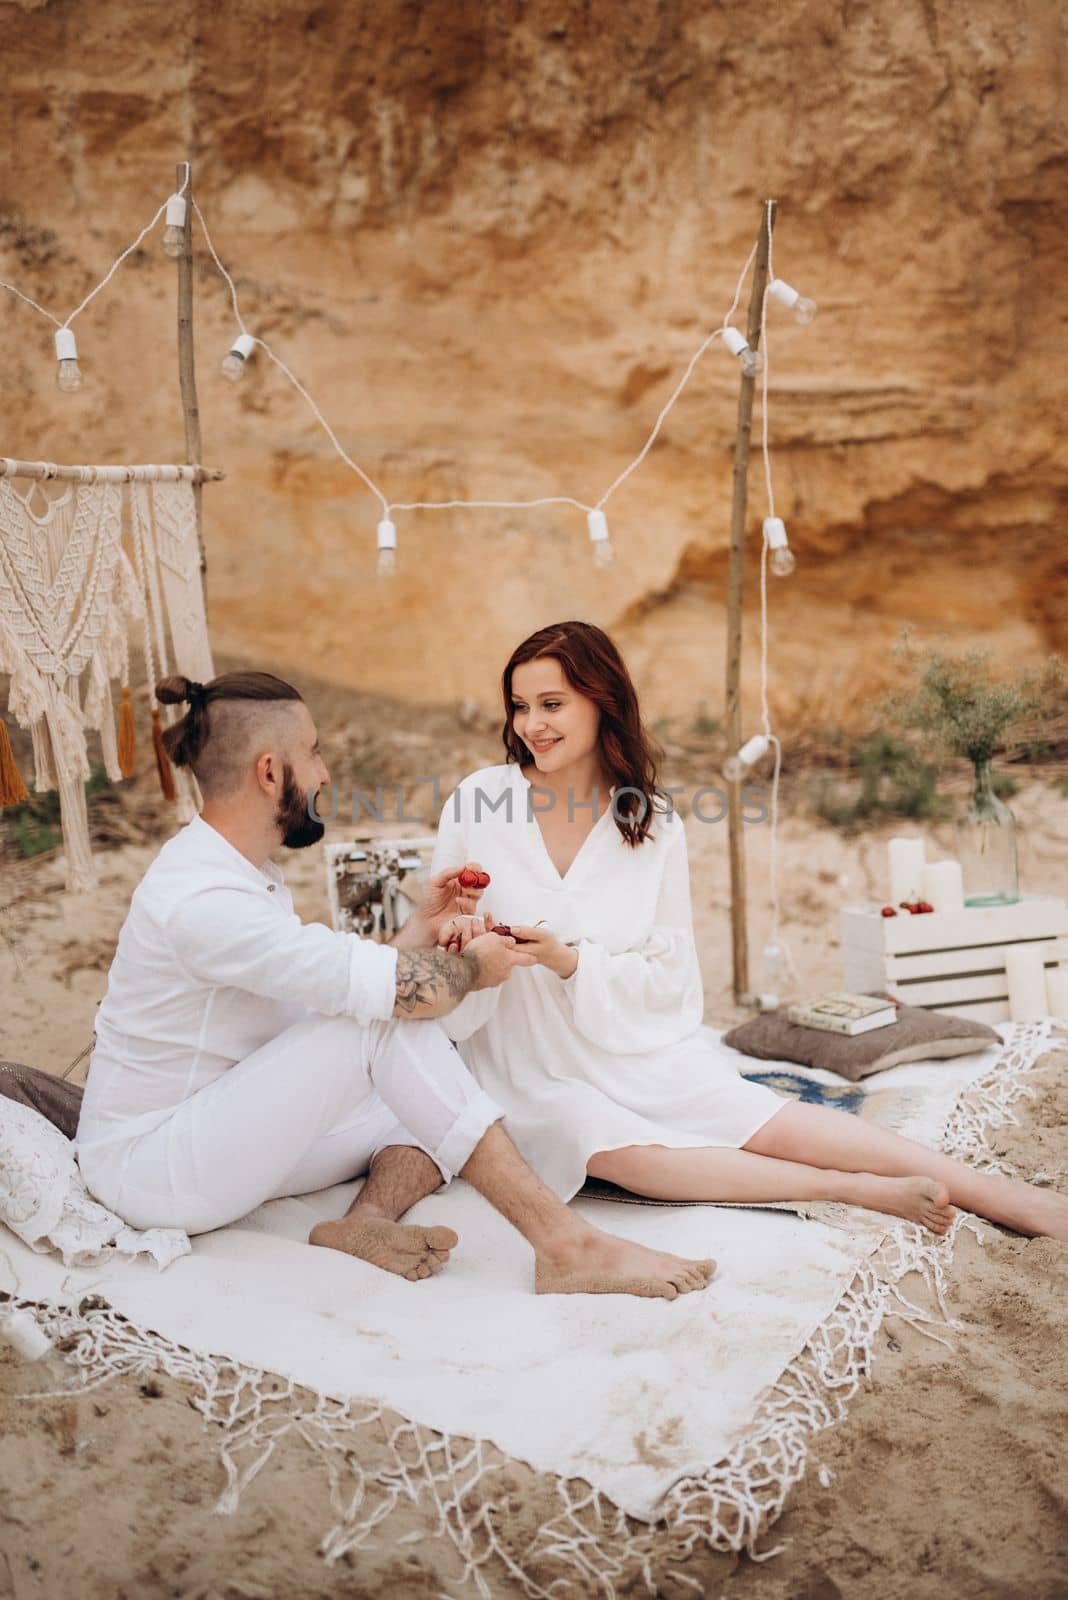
<point x="603" y="554"/>
<point x="782" y="557"/>
<point x="737" y="766"/>
<point x="68" y="372"/>
<point x="803" y="309"/>
<point x="387" y="549"/>
<point x="174" y="231"/>
<point x="234" y="360"/>
<point x="751" y="361"/>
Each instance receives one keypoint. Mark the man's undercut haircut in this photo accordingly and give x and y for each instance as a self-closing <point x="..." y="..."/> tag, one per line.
<point x="228" y="721"/>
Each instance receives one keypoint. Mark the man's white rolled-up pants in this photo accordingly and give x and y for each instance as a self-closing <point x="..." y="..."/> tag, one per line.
<point x="308" y="1109"/>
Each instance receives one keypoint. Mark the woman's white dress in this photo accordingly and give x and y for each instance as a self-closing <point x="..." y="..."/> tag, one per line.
<point x="616" y="1054"/>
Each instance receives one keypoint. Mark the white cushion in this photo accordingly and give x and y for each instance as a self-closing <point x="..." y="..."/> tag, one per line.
<point x="44" y="1200"/>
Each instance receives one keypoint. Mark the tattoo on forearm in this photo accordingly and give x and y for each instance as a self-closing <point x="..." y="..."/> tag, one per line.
<point x="426" y="977"/>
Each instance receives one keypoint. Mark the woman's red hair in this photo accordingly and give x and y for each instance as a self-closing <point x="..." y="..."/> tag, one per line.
<point x="594" y="667"/>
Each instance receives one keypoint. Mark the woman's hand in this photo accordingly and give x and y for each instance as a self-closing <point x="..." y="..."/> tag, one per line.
<point x="456" y="933"/>
<point x="445" y="896"/>
<point x="547" y="949"/>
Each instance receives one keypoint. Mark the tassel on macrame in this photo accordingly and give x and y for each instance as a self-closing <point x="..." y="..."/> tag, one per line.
<point x="163" y="766"/>
<point x="12" y="789"/>
<point x="127" y="734"/>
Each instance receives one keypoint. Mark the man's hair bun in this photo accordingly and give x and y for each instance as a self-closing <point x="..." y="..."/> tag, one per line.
<point x="174" y="690"/>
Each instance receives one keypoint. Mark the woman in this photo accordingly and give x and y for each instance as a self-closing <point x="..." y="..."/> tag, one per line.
<point x="597" y="1052"/>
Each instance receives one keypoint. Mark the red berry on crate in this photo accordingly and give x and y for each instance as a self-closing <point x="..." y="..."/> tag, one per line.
<point x="888" y="911"/>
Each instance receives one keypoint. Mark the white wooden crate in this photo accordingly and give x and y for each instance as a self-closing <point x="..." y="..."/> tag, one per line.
<point x="949" y="960"/>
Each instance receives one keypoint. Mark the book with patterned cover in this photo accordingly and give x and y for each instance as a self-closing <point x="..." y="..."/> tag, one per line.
<point x="842" y="1012"/>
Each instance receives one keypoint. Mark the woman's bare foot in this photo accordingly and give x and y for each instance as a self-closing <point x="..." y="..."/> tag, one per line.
<point x="922" y="1200"/>
<point x="592" y="1262"/>
<point x="1032" y="1210"/>
<point x="394" y="1246"/>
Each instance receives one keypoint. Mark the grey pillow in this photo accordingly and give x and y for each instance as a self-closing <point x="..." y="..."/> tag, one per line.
<point x="57" y="1100"/>
<point x="917" y="1035"/>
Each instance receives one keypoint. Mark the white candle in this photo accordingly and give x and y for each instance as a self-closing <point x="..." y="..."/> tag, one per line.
<point x="943" y="885"/>
<point x="906" y="870"/>
<point x="1057" y="992"/>
<point x="24" y="1334"/>
<point x="1027" y="982"/>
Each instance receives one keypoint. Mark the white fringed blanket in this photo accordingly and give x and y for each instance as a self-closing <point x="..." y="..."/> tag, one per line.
<point x="698" y="1412"/>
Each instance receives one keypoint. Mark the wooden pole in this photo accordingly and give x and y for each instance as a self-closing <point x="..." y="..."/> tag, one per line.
<point x="110" y="473"/>
<point x="187" y="375"/>
<point x="735" y="575"/>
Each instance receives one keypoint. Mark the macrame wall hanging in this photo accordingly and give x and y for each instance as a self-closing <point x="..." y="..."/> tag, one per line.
<point x="116" y="547"/>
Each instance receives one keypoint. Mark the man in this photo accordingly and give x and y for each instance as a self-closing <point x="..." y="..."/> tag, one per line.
<point x="242" y="1055"/>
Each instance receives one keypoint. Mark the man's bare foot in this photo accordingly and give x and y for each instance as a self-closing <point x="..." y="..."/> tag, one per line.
<point x="398" y="1247"/>
<point x="922" y="1200"/>
<point x="592" y="1262"/>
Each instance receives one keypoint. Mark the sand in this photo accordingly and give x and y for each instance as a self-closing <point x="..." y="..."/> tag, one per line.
<point x="948" y="1476"/>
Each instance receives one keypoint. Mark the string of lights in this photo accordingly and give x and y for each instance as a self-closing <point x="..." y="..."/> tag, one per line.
<point x="754" y="363"/>
<point x="235" y="362"/>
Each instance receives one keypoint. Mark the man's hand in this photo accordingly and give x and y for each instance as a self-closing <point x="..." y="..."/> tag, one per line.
<point x="496" y="959"/>
<point x="443" y="897"/>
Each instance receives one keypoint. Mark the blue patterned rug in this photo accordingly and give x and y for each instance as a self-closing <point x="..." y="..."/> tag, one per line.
<point x="842" y="1096"/>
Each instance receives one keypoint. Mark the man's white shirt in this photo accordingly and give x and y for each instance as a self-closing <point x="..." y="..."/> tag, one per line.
<point x="212" y="962"/>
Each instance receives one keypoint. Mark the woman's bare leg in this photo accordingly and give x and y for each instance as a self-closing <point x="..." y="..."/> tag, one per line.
<point x="824" y="1137"/>
<point x="716" y="1173"/>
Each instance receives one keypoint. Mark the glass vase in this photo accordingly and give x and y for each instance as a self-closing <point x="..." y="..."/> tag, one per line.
<point x="986" y="845"/>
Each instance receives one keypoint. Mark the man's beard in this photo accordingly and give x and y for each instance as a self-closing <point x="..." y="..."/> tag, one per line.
<point x="299" y="828"/>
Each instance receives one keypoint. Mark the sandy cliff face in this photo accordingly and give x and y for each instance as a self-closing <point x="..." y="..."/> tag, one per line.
<point x="489" y="237"/>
